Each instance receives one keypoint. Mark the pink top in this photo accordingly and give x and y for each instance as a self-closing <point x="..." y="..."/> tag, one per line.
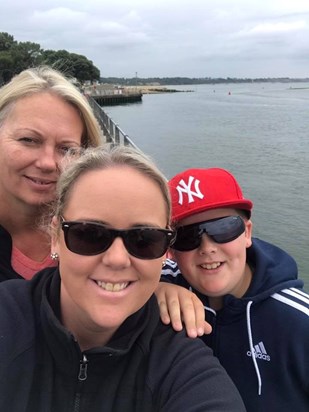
<point x="27" y="267"/>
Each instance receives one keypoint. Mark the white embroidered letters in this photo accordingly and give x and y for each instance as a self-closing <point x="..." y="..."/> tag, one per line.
<point x="186" y="188"/>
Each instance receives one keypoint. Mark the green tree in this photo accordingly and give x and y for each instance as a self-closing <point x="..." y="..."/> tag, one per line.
<point x="17" y="56"/>
<point x="83" y="68"/>
<point x="6" y="41"/>
<point x="25" y="55"/>
<point x="6" y="67"/>
<point x="72" y="64"/>
<point x="6" y="59"/>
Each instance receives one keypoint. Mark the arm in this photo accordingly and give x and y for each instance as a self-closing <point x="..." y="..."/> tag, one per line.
<point x="179" y="306"/>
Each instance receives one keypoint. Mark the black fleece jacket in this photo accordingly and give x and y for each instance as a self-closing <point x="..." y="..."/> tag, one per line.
<point x="6" y="270"/>
<point x="145" y="367"/>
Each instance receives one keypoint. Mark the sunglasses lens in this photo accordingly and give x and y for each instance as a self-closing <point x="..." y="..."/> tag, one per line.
<point x="86" y="238"/>
<point x="147" y="243"/>
<point x="226" y="229"/>
<point x="187" y="238"/>
<point x="222" y="230"/>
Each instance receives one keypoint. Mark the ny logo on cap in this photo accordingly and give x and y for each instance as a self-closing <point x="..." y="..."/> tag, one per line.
<point x="186" y="188"/>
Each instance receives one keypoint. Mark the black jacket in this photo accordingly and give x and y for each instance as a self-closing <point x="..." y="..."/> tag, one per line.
<point x="6" y="270"/>
<point x="145" y="367"/>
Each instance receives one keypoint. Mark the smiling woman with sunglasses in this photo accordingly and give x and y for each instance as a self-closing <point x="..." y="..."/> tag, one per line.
<point x="248" y="289"/>
<point x="87" y="336"/>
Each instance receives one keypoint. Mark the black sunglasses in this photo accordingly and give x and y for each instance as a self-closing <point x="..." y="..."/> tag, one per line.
<point x="89" y="238"/>
<point x="222" y="230"/>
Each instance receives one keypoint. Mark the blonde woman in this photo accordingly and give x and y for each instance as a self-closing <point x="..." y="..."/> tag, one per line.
<point x="42" y="117"/>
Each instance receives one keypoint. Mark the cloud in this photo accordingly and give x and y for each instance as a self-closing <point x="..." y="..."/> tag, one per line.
<point x="279" y="27"/>
<point x="170" y="37"/>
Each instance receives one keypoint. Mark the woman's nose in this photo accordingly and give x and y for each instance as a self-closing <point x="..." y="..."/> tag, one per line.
<point x="116" y="255"/>
<point x="47" y="159"/>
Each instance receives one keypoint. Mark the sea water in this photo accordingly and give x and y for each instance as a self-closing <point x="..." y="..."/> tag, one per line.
<point x="258" y="131"/>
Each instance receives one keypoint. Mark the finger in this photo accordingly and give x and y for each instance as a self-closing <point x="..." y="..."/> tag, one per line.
<point x="161" y="298"/>
<point x="174" y="313"/>
<point x="164" y="313"/>
<point x="189" y="317"/>
<point x="207" y="328"/>
<point x="202" y="326"/>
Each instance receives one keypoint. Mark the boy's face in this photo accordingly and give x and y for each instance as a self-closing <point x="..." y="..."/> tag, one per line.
<point x="216" y="269"/>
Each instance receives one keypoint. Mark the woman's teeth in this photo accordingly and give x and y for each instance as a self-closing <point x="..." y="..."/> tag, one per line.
<point x="112" y="287"/>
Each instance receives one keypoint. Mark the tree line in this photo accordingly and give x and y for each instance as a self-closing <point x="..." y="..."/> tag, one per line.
<point x="17" y="56"/>
<point x="173" y="81"/>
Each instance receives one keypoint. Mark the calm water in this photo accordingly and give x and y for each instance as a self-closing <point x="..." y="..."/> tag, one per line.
<point x="260" y="132"/>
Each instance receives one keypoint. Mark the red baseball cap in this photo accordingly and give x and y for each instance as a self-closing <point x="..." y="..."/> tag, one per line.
<point x="196" y="190"/>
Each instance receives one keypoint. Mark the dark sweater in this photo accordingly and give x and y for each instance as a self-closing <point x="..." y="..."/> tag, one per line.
<point x="145" y="367"/>
<point x="6" y="270"/>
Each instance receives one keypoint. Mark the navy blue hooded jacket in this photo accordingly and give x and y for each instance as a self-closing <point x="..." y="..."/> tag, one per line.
<point x="262" y="339"/>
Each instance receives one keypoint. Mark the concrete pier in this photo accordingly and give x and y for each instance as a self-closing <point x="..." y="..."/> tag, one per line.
<point x="112" y="99"/>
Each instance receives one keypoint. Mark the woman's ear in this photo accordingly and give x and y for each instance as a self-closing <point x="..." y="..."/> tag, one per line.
<point x="170" y="254"/>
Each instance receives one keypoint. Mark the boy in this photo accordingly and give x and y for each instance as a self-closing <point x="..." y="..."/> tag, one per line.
<point x="256" y="306"/>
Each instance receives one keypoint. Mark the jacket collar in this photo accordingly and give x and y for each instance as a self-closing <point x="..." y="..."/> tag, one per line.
<point x="137" y="329"/>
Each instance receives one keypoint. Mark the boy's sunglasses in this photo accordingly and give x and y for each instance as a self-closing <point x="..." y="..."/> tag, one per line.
<point x="222" y="230"/>
<point x="89" y="238"/>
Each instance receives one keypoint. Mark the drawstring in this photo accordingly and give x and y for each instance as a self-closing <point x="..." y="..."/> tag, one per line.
<point x="205" y="307"/>
<point x="256" y="367"/>
<point x="257" y="371"/>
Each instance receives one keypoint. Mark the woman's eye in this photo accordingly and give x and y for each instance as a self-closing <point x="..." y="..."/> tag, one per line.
<point x="27" y="139"/>
<point x="68" y="150"/>
<point x="63" y="150"/>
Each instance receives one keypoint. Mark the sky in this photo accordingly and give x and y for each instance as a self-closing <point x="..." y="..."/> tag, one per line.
<point x="170" y="38"/>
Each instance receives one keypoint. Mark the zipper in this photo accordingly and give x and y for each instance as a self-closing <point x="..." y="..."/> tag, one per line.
<point x="83" y="365"/>
<point x="82" y="376"/>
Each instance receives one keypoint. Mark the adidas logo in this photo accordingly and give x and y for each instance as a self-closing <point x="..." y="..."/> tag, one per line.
<point x="259" y="352"/>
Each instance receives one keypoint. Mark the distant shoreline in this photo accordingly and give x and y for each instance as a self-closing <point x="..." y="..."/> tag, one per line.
<point x="298" y="88"/>
<point x="158" y="82"/>
<point x="158" y="89"/>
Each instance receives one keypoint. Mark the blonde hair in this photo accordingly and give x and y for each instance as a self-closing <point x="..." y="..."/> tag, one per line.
<point x="103" y="158"/>
<point x="44" y="79"/>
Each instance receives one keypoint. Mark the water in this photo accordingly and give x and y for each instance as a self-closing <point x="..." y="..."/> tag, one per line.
<point x="260" y="132"/>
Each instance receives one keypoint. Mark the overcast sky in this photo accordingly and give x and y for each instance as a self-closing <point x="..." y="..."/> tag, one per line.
<point x="168" y="38"/>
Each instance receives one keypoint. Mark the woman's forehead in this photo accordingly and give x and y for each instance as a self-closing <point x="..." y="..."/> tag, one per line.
<point x="116" y="191"/>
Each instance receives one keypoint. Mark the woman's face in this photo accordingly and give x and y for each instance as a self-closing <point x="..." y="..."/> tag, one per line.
<point x="99" y="292"/>
<point x="34" y="137"/>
